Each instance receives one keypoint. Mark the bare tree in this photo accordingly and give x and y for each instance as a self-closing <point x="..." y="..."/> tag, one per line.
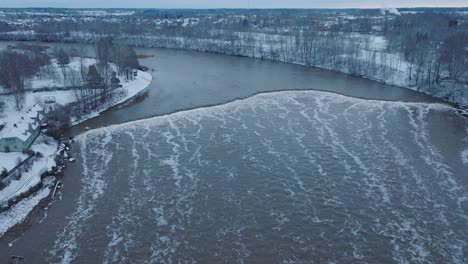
<point x="63" y="59"/>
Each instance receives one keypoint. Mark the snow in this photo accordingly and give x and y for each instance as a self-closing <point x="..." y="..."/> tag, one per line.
<point x="10" y="160"/>
<point x="129" y="90"/>
<point x="464" y="156"/>
<point x="30" y="179"/>
<point x="44" y="80"/>
<point x="135" y="87"/>
<point x="20" y="211"/>
<point x="392" y="11"/>
<point x="464" y="152"/>
<point x="31" y="106"/>
<point x="46" y="146"/>
<point x="61" y="97"/>
<point x="16" y="123"/>
<point x="105" y="13"/>
<point x="43" y="83"/>
<point x="394" y="68"/>
<point x="378" y="43"/>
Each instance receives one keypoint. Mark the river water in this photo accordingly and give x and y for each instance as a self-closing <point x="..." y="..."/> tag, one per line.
<point x="205" y="169"/>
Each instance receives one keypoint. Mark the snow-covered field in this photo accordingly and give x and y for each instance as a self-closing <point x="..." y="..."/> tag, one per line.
<point x="128" y="90"/>
<point x="10" y="160"/>
<point x="58" y="79"/>
<point x="53" y="77"/>
<point x="46" y="146"/>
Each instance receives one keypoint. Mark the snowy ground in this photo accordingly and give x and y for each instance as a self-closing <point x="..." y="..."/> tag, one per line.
<point x="53" y="76"/>
<point x="128" y="90"/>
<point x="20" y="211"/>
<point x="48" y="147"/>
<point x="11" y="114"/>
<point x="10" y="160"/>
<point x="45" y="145"/>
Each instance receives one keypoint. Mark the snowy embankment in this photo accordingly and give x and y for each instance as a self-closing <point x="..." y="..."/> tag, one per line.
<point x="48" y="147"/>
<point x="20" y="211"/>
<point x="129" y="90"/>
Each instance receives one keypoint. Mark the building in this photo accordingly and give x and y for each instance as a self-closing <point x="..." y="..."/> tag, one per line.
<point x="19" y="132"/>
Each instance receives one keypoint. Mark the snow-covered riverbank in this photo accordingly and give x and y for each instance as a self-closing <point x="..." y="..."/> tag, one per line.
<point x="30" y="179"/>
<point x="128" y="91"/>
<point x="20" y="211"/>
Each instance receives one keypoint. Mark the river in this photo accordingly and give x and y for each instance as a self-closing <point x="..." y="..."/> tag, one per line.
<point x="238" y="160"/>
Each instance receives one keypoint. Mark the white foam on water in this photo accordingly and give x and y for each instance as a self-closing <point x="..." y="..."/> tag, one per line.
<point x="173" y="160"/>
<point x="415" y="248"/>
<point x="403" y="231"/>
<point x="464" y="152"/>
<point x="121" y="230"/>
<point x="162" y="250"/>
<point x="280" y="218"/>
<point x="217" y="112"/>
<point x="355" y="229"/>
<point x="179" y="206"/>
<point x="66" y="247"/>
<point x="159" y="213"/>
<point x="373" y="181"/>
<point x="432" y="157"/>
<point x="464" y="156"/>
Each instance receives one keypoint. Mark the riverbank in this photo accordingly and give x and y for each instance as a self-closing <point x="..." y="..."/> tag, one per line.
<point x="22" y="194"/>
<point x="372" y="61"/>
<point x="394" y="68"/>
<point x="128" y="91"/>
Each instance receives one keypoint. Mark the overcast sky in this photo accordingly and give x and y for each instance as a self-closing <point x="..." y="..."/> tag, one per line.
<point x="233" y="3"/>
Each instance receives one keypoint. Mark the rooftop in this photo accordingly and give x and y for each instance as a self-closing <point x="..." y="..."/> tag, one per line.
<point x="16" y="124"/>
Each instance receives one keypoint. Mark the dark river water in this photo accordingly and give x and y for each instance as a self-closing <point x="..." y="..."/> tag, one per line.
<point x="205" y="169"/>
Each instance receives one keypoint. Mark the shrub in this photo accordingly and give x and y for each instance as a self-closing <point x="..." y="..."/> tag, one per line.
<point x="4" y="173"/>
<point x="58" y="121"/>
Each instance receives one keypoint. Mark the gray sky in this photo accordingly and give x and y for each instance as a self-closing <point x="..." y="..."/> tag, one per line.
<point x="233" y="3"/>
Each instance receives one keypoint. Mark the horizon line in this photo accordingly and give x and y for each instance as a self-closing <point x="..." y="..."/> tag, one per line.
<point x="236" y="8"/>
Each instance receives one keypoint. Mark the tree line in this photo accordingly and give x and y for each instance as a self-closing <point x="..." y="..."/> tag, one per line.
<point x="101" y="79"/>
<point x="19" y="64"/>
<point x="92" y="83"/>
<point x="426" y="50"/>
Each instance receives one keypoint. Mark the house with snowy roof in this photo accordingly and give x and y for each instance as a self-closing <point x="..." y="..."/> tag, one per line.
<point x="19" y="130"/>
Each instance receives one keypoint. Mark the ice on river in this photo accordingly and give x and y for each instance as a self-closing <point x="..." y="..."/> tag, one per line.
<point x="279" y="177"/>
